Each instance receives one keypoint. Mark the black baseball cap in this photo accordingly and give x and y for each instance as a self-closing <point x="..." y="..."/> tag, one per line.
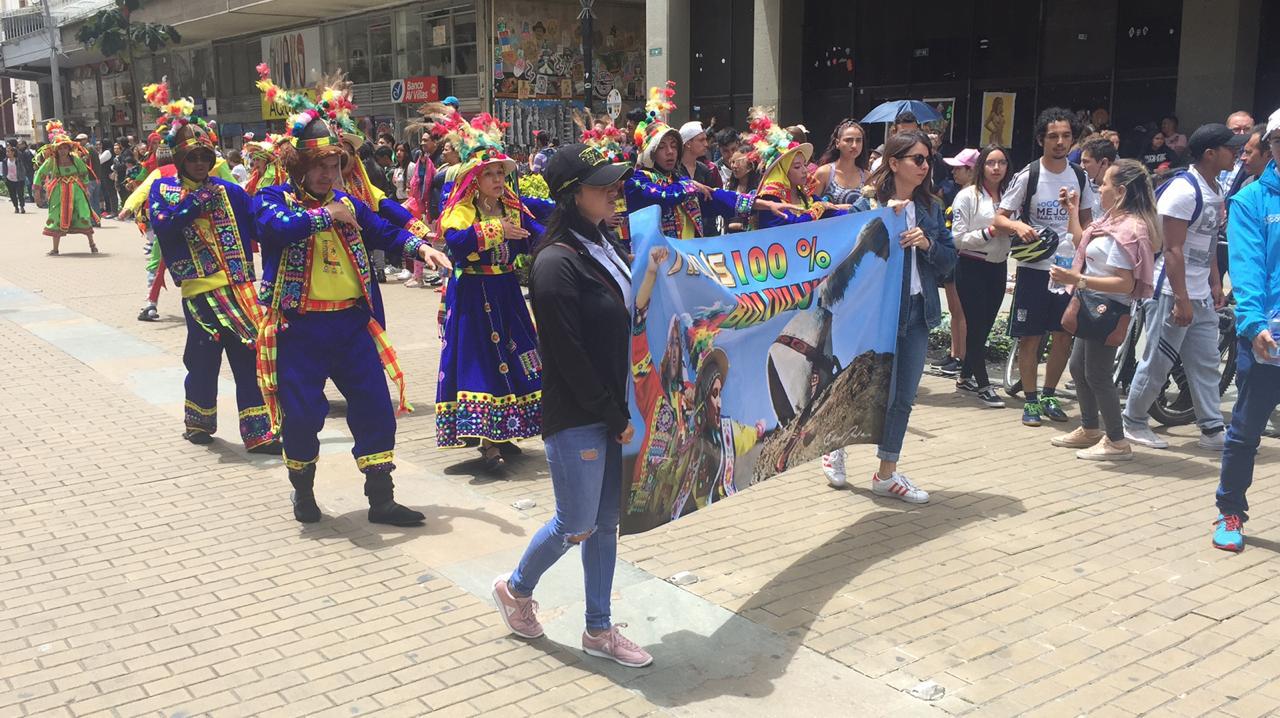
<point x="582" y="163"/>
<point x="1211" y="136"/>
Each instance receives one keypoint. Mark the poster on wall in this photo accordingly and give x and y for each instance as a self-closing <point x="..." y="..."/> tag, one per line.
<point x="753" y="355"/>
<point x="294" y="57"/>
<point x="997" y="119"/>
<point x="945" y="125"/>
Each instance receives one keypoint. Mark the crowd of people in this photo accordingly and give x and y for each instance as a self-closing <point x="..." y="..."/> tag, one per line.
<point x="332" y="215"/>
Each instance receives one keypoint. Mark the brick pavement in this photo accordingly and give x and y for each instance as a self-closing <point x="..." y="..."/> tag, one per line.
<point x="135" y="579"/>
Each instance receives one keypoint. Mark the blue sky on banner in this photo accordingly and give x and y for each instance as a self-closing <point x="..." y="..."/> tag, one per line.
<point x="748" y="264"/>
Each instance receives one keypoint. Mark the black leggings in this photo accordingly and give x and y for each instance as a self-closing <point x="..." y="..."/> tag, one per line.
<point x="17" y="193"/>
<point x="980" y="285"/>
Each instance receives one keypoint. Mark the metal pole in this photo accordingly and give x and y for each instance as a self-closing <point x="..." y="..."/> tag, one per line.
<point x="54" y="74"/>
<point x="586" y="16"/>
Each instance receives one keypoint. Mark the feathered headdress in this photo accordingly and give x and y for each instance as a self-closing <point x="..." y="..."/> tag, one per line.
<point x="312" y="124"/>
<point x="479" y="143"/>
<point x="653" y="128"/>
<point x="771" y="148"/>
<point x="57" y="135"/>
<point x="608" y="139"/>
<point x="178" y="125"/>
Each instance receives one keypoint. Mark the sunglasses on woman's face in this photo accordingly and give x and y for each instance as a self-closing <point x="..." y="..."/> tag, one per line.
<point x="920" y="160"/>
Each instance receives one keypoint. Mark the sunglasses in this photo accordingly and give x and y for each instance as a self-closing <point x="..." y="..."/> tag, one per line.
<point x="920" y="160"/>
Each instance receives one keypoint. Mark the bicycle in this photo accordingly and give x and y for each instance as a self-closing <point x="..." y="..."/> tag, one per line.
<point x="1173" y="406"/>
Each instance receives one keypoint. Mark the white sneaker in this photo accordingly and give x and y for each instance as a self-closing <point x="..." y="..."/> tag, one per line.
<point x="1213" y="442"/>
<point x="833" y="468"/>
<point x="899" y="487"/>
<point x="1145" y="437"/>
<point x="404" y="275"/>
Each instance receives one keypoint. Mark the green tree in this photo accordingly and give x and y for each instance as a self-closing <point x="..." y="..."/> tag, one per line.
<point x="115" y="34"/>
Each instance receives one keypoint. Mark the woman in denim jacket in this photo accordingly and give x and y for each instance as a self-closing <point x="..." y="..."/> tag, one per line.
<point x="902" y="182"/>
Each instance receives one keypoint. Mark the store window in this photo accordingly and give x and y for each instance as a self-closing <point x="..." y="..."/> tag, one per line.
<point x="380" y="52"/>
<point x="449" y="49"/>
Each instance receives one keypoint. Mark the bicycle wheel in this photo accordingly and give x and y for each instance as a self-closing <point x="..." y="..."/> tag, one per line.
<point x="1012" y="375"/>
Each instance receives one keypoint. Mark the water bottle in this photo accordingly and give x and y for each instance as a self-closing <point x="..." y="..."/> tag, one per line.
<point x="1064" y="261"/>
<point x="1273" y="324"/>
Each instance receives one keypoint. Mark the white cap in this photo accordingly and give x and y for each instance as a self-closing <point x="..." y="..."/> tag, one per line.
<point x="1273" y="122"/>
<point x="690" y="130"/>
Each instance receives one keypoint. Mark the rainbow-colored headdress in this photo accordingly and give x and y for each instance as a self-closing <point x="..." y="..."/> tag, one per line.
<point x="479" y="143"/>
<point x="772" y="149"/>
<point x="313" y="125"/>
<point x="653" y="128"/>
<point x="178" y="126"/>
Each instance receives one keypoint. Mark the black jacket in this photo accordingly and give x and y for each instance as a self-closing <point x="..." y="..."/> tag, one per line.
<point x="584" y="333"/>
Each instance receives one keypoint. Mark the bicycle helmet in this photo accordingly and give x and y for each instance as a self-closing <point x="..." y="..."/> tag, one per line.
<point x="1042" y="247"/>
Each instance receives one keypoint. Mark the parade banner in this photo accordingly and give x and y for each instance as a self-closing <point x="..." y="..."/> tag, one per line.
<point x="753" y="353"/>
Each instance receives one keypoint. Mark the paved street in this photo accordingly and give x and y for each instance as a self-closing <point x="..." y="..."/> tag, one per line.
<point x="142" y="575"/>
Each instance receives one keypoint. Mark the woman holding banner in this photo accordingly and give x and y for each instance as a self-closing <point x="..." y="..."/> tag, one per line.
<point x="902" y="182"/>
<point x="579" y="288"/>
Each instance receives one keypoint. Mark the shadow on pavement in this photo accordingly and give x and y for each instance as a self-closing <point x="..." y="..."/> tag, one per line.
<point x="744" y="658"/>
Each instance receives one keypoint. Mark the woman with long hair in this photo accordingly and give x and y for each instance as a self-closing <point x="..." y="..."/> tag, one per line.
<point x="982" y="267"/>
<point x="400" y="171"/>
<point x="64" y="176"/>
<point x="843" y="168"/>
<point x="902" y="181"/>
<point x="15" y="179"/>
<point x="1115" y="259"/>
<point x="579" y="289"/>
<point x="489" y="393"/>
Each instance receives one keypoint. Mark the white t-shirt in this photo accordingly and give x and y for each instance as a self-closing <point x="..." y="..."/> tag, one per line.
<point x="240" y="174"/>
<point x="1102" y="258"/>
<point x="1179" y="202"/>
<point x="916" y="286"/>
<point x="1046" y="211"/>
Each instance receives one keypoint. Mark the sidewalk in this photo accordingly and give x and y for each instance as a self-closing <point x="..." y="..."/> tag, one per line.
<point x="143" y="575"/>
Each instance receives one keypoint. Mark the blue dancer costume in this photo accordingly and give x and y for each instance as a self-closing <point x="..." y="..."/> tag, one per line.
<point x="317" y="293"/>
<point x="490" y="384"/>
<point x="205" y="232"/>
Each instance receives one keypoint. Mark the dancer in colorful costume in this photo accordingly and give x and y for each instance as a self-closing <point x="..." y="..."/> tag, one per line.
<point x="63" y="174"/>
<point x="608" y="139"/>
<point x="319" y="325"/>
<point x="784" y="174"/>
<point x="655" y="182"/>
<point x="204" y="226"/>
<point x="264" y="165"/>
<point x="490" y="388"/>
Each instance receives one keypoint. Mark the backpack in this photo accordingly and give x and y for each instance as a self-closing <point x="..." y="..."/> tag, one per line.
<point x="1033" y="183"/>
<point x="1185" y="174"/>
<point x="1195" y="213"/>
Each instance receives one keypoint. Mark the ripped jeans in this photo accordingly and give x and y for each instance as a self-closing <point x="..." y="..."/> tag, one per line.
<point x="586" y="475"/>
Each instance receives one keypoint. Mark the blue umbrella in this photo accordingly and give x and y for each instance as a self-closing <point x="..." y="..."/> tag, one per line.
<point x="887" y="111"/>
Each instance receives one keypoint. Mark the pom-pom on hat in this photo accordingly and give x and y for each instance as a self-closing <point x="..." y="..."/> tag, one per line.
<point x="479" y="142"/>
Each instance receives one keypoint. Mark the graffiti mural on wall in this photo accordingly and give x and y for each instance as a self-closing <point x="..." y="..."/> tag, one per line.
<point x="538" y="52"/>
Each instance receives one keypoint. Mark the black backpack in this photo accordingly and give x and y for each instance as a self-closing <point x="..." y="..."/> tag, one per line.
<point x="1033" y="183"/>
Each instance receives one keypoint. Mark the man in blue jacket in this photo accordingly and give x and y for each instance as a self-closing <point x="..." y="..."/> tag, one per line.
<point x="1254" y="228"/>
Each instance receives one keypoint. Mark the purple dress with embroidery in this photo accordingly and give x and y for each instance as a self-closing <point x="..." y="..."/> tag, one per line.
<point x="490" y="381"/>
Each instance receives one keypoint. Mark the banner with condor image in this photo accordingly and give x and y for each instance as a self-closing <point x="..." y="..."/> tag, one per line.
<point x="753" y="353"/>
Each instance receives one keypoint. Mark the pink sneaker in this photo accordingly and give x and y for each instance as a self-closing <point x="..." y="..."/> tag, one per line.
<point x="520" y="614"/>
<point x="612" y="644"/>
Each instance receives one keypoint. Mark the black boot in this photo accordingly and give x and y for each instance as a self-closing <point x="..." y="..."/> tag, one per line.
<point x="305" y="509"/>
<point x="271" y="448"/>
<point x="383" y="508"/>
<point x="196" y="436"/>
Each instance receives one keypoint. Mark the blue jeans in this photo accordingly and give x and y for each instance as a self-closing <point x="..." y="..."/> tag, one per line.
<point x="586" y="475"/>
<point x="1258" y="392"/>
<point x="908" y="367"/>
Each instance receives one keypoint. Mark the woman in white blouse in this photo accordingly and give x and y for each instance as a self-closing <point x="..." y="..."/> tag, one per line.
<point x="982" y="268"/>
